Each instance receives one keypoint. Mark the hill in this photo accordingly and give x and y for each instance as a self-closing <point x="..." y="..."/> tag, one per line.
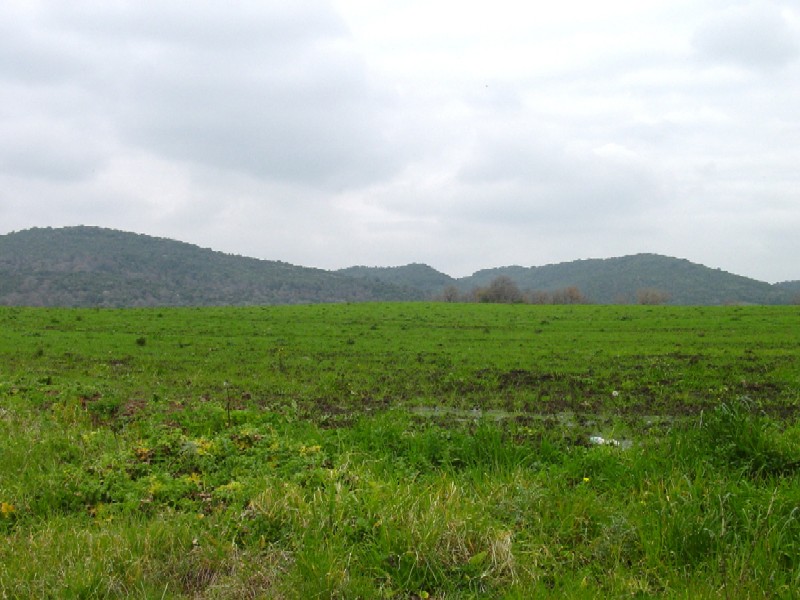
<point x="791" y="286"/>
<point x="619" y="280"/>
<point x="92" y="266"/>
<point x="413" y="276"/>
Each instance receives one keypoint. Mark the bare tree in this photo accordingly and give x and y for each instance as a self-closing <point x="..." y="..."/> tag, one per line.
<point x="501" y="290"/>
<point x="451" y="294"/>
<point x="651" y="296"/>
<point x="539" y="297"/>
<point x="568" y="295"/>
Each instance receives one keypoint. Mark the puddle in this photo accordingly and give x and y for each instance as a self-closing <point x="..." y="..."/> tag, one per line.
<point x="558" y="419"/>
<point x="466" y="414"/>
<point x="597" y="440"/>
<point x="566" y="418"/>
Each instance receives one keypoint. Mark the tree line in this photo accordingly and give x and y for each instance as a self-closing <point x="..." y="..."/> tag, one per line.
<point x="504" y="290"/>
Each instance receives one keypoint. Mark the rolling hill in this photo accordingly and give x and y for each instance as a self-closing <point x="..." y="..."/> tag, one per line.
<point x="619" y="280"/>
<point x="413" y="276"/>
<point x="605" y="281"/>
<point x="789" y="286"/>
<point x="92" y="266"/>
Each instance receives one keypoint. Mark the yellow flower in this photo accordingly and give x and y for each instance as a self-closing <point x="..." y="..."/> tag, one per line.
<point x="7" y="509"/>
<point x="155" y="486"/>
<point x="204" y="446"/>
<point x="230" y="487"/>
<point x="585" y="480"/>
<point x="143" y="453"/>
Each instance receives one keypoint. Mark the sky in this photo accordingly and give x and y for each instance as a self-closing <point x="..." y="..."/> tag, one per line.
<point x="463" y="135"/>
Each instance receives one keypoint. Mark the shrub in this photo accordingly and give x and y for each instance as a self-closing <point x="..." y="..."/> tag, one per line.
<point x="738" y="435"/>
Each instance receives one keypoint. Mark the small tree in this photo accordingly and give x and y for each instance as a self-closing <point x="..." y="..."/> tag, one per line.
<point x="568" y="295"/>
<point x="501" y="290"/>
<point x="651" y="296"/>
<point x="539" y="297"/>
<point x="451" y="294"/>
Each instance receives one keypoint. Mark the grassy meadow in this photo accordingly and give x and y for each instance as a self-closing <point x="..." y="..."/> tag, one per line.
<point x="400" y="451"/>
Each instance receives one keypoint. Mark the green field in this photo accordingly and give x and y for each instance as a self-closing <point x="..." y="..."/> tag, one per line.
<point x="400" y="451"/>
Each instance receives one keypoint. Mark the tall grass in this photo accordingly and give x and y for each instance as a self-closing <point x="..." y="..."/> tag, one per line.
<point x="398" y="506"/>
<point x="172" y="495"/>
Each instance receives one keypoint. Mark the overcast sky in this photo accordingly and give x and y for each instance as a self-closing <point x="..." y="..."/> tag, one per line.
<point x="464" y="135"/>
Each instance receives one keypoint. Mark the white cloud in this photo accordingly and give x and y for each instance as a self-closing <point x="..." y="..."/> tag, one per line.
<point x="754" y="35"/>
<point x="264" y="89"/>
<point x="461" y="135"/>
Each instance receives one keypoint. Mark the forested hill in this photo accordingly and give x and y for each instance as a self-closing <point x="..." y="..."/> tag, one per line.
<point x="91" y="266"/>
<point x="621" y="280"/>
<point x="789" y="286"/>
<point x="413" y="276"/>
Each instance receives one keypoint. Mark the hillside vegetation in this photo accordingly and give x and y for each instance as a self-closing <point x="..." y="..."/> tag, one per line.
<point x="791" y="286"/>
<point x="413" y="276"/>
<point x="618" y="280"/>
<point x="90" y="266"/>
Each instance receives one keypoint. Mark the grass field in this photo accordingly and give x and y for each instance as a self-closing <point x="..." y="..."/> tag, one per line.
<point x="400" y="451"/>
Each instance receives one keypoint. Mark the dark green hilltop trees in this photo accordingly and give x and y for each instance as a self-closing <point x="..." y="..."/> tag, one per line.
<point x="92" y="266"/>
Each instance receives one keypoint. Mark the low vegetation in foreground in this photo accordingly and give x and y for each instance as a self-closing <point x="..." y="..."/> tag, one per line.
<point x="400" y="451"/>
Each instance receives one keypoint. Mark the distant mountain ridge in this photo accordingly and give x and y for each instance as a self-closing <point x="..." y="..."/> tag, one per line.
<point x="618" y="280"/>
<point x="93" y="266"/>
<point x="790" y="286"/>
<point x="609" y="281"/>
<point x="413" y="276"/>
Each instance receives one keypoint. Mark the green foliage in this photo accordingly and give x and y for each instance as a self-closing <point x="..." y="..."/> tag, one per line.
<point x="618" y="280"/>
<point x="737" y="435"/>
<point x="413" y="276"/>
<point x="93" y="266"/>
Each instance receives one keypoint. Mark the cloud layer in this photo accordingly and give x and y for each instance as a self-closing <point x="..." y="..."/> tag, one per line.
<point x="353" y="132"/>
